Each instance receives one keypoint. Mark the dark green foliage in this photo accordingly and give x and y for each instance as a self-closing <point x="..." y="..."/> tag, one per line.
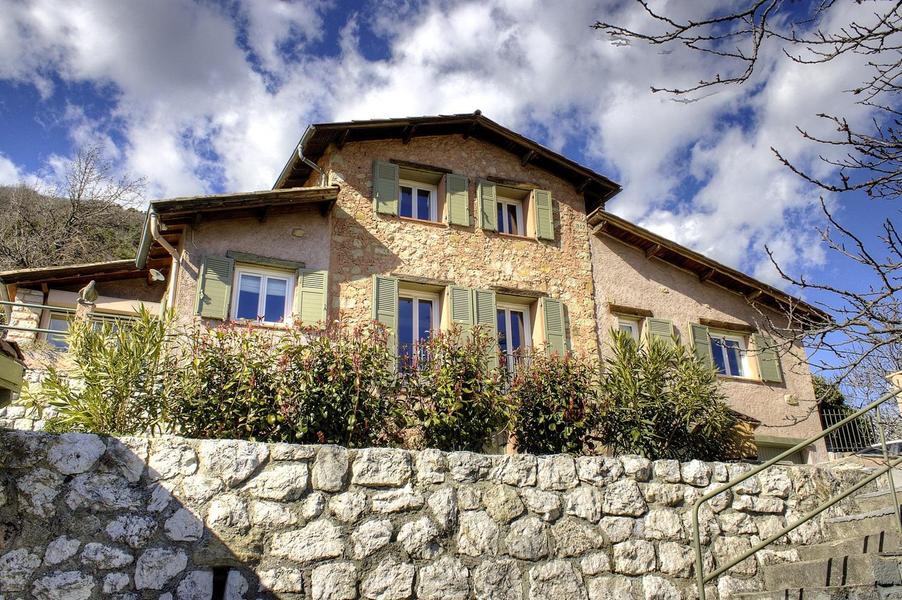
<point x="338" y="389"/>
<point x="117" y="381"/>
<point x="660" y="401"/>
<point x="223" y="385"/>
<point x="454" y="400"/>
<point x="554" y="405"/>
<point x="827" y="392"/>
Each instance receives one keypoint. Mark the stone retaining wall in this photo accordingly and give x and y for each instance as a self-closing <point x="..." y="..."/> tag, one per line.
<point x="83" y="516"/>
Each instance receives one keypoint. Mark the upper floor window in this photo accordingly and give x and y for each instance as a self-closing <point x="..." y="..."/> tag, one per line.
<point x="418" y="201"/>
<point x="510" y="216"/>
<point x="730" y="354"/>
<point x="262" y="295"/>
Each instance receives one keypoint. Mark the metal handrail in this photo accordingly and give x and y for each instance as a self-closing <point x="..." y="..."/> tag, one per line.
<point x="702" y="579"/>
<point x="62" y="309"/>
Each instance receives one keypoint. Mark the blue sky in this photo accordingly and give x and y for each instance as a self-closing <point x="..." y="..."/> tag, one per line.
<point x="207" y="97"/>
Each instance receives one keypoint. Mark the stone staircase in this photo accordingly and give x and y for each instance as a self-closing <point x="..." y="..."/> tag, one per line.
<point x="861" y="559"/>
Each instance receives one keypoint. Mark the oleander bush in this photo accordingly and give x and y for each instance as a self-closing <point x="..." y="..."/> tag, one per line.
<point x="659" y="401"/>
<point x="554" y="405"/>
<point x="344" y="386"/>
<point x="115" y="379"/>
<point x="453" y="396"/>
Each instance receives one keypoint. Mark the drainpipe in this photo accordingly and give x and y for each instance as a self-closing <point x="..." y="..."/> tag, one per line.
<point x="176" y="258"/>
<point x="312" y="165"/>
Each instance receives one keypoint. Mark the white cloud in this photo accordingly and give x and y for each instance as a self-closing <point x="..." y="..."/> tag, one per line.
<point x="200" y="107"/>
<point x="9" y="172"/>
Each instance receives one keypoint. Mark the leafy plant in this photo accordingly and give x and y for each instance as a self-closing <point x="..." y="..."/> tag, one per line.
<point x="660" y="401"/>
<point x="116" y="379"/>
<point x="454" y="399"/>
<point x="554" y="405"/>
<point x="223" y="383"/>
<point x="337" y="388"/>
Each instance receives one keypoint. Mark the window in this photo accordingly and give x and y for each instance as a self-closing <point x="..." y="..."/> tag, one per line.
<point x="629" y="326"/>
<point x="262" y="295"/>
<point x="417" y="318"/>
<point x="513" y="334"/>
<point x="418" y="201"/>
<point x="58" y="322"/>
<point x="730" y="354"/>
<point x="510" y="216"/>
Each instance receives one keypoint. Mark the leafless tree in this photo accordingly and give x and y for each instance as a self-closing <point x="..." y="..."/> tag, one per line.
<point x="737" y="37"/>
<point x="863" y="341"/>
<point x="88" y="216"/>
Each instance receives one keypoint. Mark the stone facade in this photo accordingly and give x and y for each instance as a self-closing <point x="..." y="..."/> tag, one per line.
<point x="625" y="277"/>
<point x="89" y="517"/>
<point x="365" y="243"/>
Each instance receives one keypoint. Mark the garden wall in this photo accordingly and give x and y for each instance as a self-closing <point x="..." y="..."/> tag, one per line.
<point x="83" y="516"/>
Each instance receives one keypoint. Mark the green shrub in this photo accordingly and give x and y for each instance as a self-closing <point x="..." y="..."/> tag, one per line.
<point x="660" y="401"/>
<point x="454" y="399"/>
<point x="554" y="405"/>
<point x="223" y="385"/>
<point x="339" y="388"/>
<point x="115" y="382"/>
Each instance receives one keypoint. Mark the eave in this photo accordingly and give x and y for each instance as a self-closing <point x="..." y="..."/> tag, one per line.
<point x="175" y="214"/>
<point x="706" y="269"/>
<point x="597" y="188"/>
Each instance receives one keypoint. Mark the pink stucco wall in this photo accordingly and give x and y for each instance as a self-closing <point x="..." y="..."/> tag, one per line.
<point x="623" y="276"/>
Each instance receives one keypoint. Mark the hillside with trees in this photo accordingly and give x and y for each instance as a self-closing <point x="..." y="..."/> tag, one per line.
<point x="90" y="217"/>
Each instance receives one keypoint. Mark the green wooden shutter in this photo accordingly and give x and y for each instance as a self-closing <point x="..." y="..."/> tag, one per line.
<point x="486" y="317"/>
<point x="310" y="296"/>
<point x="768" y="359"/>
<point x="385" y="187"/>
<point x="385" y="306"/>
<point x="659" y="329"/>
<point x="461" y="302"/>
<point x="488" y="207"/>
<point x="544" y="215"/>
<point x="457" y="198"/>
<point x="214" y="287"/>
<point x="701" y="344"/>
<point x="555" y="334"/>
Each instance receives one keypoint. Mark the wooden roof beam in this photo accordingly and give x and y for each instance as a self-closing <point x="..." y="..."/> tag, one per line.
<point x="707" y="275"/>
<point x="342" y="138"/>
<point x="408" y="133"/>
<point x="753" y="296"/>
<point x="653" y="251"/>
<point x="528" y="156"/>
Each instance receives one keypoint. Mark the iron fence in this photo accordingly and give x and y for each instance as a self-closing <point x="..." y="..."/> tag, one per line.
<point x="862" y="432"/>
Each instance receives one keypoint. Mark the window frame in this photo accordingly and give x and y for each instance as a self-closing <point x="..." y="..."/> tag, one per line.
<point x="635" y="325"/>
<point x="417" y="296"/>
<point x="62" y="344"/>
<point x="415" y="186"/>
<point x="745" y="365"/>
<point x="507" y="307"/>
<point x="265" y="274"/>
<point x="503" y="202"/>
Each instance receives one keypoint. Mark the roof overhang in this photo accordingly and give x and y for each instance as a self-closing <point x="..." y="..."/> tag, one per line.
<point x="597" y="188"/>
<point x="175" y="213"/>
<point x="82" y="273"/>
<point x="706" y="269"/>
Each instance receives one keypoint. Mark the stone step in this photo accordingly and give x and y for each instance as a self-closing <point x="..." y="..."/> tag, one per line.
<point x="850" y="526"/>
<point x="845" y="592"/>
<point x="877" y="500"/>
<point x="861" y="569"/>
<point x="874" y="543"/>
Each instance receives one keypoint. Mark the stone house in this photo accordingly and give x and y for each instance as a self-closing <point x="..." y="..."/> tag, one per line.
<point x="422" y="223"/>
